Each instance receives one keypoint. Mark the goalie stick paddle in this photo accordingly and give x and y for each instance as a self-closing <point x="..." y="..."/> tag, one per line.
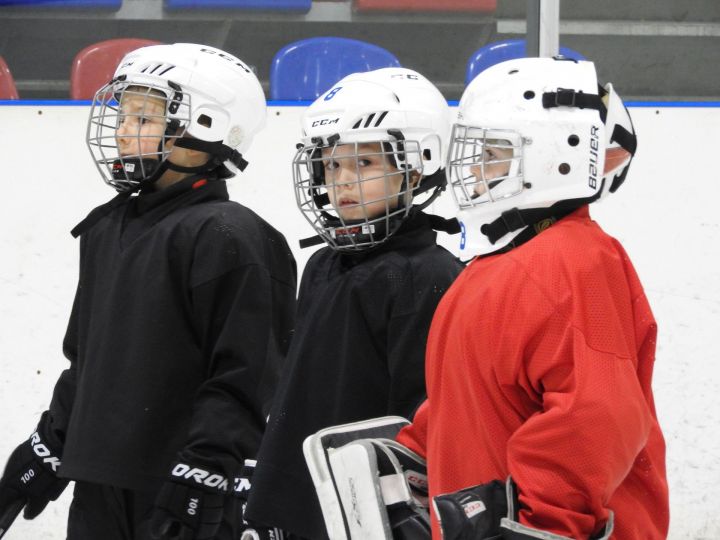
<point x="7" y="519"/>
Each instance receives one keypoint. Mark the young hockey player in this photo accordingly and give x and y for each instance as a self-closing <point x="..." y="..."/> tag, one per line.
<point x="540" y="356"/>
<point x="182" y="316"/>
<point x="371" y="144"/>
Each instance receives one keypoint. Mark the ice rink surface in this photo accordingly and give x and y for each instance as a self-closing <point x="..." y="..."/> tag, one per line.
<point x="665" y="215"/>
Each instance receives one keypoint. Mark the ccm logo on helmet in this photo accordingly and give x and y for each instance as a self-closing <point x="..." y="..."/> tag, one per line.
<point x="200" y="476"/>
<point x="325" y="122"/>
<point x="229" y="58"/>
<point x="43" y="452"/>
<point x="594" y="146"/>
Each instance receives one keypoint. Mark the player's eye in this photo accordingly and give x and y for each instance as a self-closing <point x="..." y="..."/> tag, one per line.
<point x="490" y="155"/>
<point x="364" y="162"/>
<point x="330" y="164"/>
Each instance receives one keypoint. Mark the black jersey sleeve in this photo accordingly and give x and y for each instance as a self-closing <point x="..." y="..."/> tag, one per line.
<point x="243" y="320"/>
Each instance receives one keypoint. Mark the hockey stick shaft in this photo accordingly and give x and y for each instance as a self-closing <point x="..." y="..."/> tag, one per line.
<point x="7" y="519"/>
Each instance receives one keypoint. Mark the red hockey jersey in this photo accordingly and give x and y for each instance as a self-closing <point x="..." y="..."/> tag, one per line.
<point x="539" y="366"/>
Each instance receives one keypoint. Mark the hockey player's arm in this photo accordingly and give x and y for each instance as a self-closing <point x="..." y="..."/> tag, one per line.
<point x="569" y="459"/>
<point x="414" y="436"/>
<point x="231" y="317"/>
<point x="234" y="317"/>
<point x="565" y="461"/>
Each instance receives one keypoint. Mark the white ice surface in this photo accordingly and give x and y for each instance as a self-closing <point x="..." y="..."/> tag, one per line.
<point x="666" y="216"/>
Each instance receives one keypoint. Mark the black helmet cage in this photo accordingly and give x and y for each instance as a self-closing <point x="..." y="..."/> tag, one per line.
<point x="128" y="172"/>
<point x="312" y="190"/>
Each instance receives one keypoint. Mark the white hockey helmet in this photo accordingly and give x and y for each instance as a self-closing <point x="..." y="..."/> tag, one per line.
<point x="213" y="103"/>
<point x="535" y="139"/>
<point x="407" y="118"/>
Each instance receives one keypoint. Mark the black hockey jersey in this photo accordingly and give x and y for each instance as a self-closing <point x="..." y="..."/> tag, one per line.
<point x="182" y="318"/>
<point x="358" y="352"/>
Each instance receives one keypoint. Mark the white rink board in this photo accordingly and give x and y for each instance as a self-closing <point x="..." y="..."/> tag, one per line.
<point x="665" y="215"/>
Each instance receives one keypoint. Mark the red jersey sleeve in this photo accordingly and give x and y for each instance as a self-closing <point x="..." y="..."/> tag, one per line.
<point x="568" y="459"/>
<point x="582" y="364"/>
<point x="414" y="436"/>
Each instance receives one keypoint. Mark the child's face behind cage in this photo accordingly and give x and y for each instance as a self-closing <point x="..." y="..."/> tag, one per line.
<point x="495" y="164"/>
<point x="141" y="124"/>
<point x="361" y="182"/>
<point x="142" y="132"/>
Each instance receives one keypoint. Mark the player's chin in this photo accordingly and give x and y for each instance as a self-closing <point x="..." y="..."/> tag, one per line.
<point x="128" y="152"/>
<point x="353" y="214"/>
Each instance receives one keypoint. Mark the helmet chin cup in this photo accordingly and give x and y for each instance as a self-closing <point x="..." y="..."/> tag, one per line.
<point x="135" y="169"/>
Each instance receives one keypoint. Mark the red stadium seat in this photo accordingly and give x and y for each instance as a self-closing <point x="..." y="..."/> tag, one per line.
<point x="94" y="66"/>
<point x="483" y="6"/>
<point x="7" y="83"/>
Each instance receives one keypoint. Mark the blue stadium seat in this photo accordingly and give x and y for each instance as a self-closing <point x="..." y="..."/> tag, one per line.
<point x="302" y="6"/>
<point x="305" y="69"/>
<point x="90" y="4"/>
<point x="500" y="51"/>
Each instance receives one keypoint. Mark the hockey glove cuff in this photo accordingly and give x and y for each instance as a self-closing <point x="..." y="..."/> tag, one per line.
<point x="241" y="492"/>
<point x="190" y="504"/>
<point x="31" y="474"/>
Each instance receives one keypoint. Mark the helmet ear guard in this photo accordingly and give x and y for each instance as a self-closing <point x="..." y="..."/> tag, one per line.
<point x="621" y="141"/>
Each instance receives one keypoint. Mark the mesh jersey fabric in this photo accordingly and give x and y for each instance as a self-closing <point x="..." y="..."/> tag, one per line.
<point x="539" y="364"/>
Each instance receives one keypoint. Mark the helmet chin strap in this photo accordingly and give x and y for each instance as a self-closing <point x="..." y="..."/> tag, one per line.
<point x="146" y="171"/>
<point x="218" y="151"/>
<point x="513" y="219"/>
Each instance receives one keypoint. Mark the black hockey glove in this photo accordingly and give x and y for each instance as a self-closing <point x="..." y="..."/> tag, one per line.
<point x="490" y="512"/>
<point x="30" y="475"/>
<point x="190" y="504"/>
<point x="241" y="492"/>
<point x="472" y="513"/>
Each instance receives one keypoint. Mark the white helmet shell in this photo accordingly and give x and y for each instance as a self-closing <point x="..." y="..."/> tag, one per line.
<point x="363" y="106"/>
<point x="558" y="130"/>
<point x="219" y="85"/>
<point x="400" y="113"/>
<point x="212" y="96"/>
